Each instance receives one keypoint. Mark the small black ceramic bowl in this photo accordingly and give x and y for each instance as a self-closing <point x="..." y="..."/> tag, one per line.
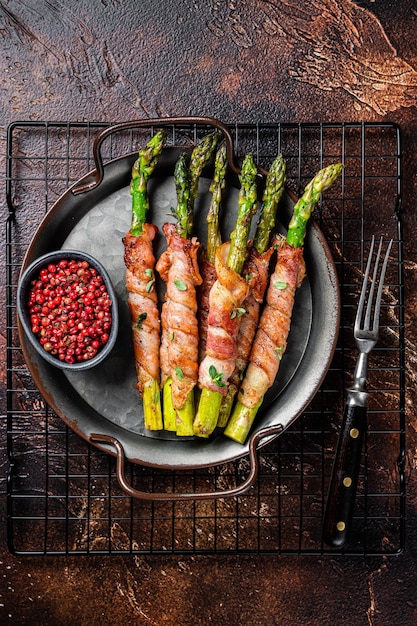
<point x="25" y="285"/>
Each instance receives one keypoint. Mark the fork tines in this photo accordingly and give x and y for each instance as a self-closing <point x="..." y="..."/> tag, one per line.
<point x="375" y="281"/>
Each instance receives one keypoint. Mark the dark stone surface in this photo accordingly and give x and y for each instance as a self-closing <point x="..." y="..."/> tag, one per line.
<point x="273" y="61"/>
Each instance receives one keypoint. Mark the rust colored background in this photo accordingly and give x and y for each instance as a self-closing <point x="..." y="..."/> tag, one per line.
<point x="270" y="60"/>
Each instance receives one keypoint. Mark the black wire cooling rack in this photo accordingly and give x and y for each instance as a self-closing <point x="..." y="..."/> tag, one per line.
<point x="63" y="496"/>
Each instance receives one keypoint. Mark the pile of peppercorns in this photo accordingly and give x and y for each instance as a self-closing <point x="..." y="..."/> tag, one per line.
<point x="70" y="310"/>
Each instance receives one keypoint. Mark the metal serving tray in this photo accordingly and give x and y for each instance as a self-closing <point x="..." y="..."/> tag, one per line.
<point x="64" y="498"/>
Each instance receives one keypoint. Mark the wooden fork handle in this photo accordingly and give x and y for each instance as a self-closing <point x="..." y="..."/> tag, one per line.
<point x="344" y="477"/>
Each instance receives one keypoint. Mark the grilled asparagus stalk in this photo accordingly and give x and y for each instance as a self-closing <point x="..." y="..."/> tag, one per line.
<point x="179" y="269"/>
<point x="271" y="337"/>
<point x="226" y="297"/>
<point x="142" y="299"/>
<point x="256" y="273"/>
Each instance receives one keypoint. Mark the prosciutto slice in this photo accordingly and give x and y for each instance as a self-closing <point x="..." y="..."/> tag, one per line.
<point x="225" y="311"/>
<point x="143" y="304"/>
<point x="179" y="270"/>
<point x="271" y="337"/>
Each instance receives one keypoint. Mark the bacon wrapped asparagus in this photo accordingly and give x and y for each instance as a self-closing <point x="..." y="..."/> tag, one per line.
<point x="140" y="283"/>
<point x="206" y="262"/>
<point x="178" y="268"/>
<point x="271" y="337"/>
<point x="225" y="308"/>
<point x="256" y="271"/>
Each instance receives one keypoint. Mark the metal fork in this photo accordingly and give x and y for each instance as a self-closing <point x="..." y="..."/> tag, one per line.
<point x="344" y="478"/>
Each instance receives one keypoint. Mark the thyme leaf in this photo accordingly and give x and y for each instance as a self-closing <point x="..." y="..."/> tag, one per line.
<point x="279" y="351"/>
<point x="141" y="318"/>
<point x="179" y="373"/>
<point x="237" y="312"/>
<point x="180" y="285"/>
<point x="216" y="377"/>
<point x="149" y="273"/>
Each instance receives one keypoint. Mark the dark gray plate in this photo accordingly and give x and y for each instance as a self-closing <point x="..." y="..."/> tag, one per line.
<point x="104" y="400"/>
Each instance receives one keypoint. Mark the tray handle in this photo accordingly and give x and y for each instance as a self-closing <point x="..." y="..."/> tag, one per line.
<point x="148" y="123"/>
<point x="264" y="433"/>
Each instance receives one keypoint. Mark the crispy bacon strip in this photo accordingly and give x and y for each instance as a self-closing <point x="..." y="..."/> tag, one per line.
<point x="274" y="326"/>
<point x="225" y="302"/>
<point x="256" y="273"/>
<point x="208" y="275"/>
<point x="178" y="268"/>
<point x="143" y="303"/>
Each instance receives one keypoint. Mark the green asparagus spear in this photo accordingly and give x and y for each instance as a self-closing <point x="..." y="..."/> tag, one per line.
<point x="141" y="171"/>
<point x="305" y="205"/>
<point x="152" y="410"/>
<point x="210" y="401"/>
<point x="242" y="417"/>
<point x="182" y="187"/>
<point x="170" y="415"/>
<point x="200" y="156"/>
<point x="183" y="228"/>
<point x="274" y="188"/>
<point x="186" y="184"/>
<point x="216" y="187"/>
<point x="214" y="240"/>
<point x="247" y="208"/>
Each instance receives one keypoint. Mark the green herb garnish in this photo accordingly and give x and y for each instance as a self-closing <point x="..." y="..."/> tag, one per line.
<point x="149" y="272"/>
<point x="237" y="312"/>
<point x="216" y="376"/>
<point x="279" y="351"/>
<point x="180" y="285"/>
<point x="179" y="373"/>
<point x="141" y="318"/>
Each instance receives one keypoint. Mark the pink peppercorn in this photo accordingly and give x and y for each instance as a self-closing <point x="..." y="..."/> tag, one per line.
<point x="70" y="310"/>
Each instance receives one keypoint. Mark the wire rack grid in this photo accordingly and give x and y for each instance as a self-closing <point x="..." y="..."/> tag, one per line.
<point x="63" y="496"/>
